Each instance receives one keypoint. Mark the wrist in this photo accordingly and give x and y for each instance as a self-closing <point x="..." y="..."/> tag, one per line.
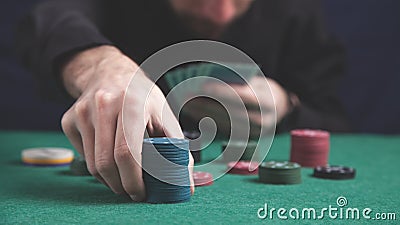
<point x="294" y="101"/>
<point x="289" y="103"/>
<point x="80" y="67"/>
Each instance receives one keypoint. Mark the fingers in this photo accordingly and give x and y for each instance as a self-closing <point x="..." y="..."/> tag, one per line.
<point x="129" y="160"/>
<point x="171" y="128"/>
<point x="105" y="130"/>
<point x="94" y="126"/>
<point x="79" y="130"/>
<point x="248" y="93"/>
<point x="234" y="95"/>
<point x="87" y="132"/>
<point x="191" y="166"/>
<point x="69" y="127"/>
<point x="221" y="113"/>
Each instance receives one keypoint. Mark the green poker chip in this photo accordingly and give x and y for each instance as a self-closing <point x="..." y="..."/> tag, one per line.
<point x="279" y="172"/>
<point x="285" y="165"/>
<point x="78" y="167"/>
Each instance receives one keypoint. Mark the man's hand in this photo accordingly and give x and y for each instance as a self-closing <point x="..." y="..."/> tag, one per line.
<point x="99" y="78"/>
<point x="255" y="95"/>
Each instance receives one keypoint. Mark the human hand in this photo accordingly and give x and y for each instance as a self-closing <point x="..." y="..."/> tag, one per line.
<point x="261" y="96"/>
<point x="99" y="78"/>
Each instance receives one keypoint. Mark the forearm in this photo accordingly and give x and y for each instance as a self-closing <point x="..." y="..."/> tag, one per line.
<point x="78" y="69"/>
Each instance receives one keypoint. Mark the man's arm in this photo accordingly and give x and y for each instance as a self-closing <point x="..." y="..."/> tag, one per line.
<point x="52" y="32"/>
<point x="97" y="75"/>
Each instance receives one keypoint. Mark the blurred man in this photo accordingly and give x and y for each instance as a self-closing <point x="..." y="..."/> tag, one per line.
<point x="91" y="49"/>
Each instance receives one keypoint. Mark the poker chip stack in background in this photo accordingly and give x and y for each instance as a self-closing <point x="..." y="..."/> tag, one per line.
<point x="165" y="170"/>
<point x="47" y="156"/>
<point x="238" y="150"/>
<point x="202" y="179"/>
<point x="309" y="148"/>
<point x="279" y="173"/>
<point x="78" y="167"/>
<point x="243" y="168"/>
<point x="334" y="172"/>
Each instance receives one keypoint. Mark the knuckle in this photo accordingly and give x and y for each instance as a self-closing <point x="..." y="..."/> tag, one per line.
<point x="103" y="166"/>
<point x="92" y="170"/>
<point x="104" y="99"/>
<point x="81" y="108"/>
<point x="66" y="122"/>
<point x="157" y="94"/>
<point x="122" y="153"/>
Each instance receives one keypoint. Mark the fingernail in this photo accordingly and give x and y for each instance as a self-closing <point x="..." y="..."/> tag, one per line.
<point x="134" y="197"/>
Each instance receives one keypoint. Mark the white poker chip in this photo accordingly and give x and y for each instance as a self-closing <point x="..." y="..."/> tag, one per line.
<point x="47" y="153"/>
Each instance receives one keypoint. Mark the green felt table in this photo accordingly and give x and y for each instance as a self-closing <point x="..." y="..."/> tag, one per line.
<point x="31" y="195"/>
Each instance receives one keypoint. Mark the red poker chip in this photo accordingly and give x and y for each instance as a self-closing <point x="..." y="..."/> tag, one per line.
<point x="243" y="168"/>
<point x="314" y="152"/>
<point x="308" y="133"/>
<point x="310" y="148"/>
<point x="202" y="178"/>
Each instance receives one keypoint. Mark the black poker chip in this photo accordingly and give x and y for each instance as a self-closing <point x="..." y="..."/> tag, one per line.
<point x="334" y="172"/>
<point x="78" y="167"/>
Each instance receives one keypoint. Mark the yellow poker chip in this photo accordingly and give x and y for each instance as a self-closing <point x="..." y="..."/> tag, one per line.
<point x="47" y="161"/>
<point x="47" y="156"/>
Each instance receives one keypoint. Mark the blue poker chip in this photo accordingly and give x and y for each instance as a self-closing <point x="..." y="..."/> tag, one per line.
<point x="174" y="165"/>
<point x="176" y="153"/>
<point x="169" y="199"/>
<point x="165" y="141"/>
<point x="157" y="158"/>
<point x="167" y="179"/>
<point x="165" y="171"/>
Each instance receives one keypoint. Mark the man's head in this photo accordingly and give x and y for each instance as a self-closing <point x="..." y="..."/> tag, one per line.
<point x="210" y="17"/>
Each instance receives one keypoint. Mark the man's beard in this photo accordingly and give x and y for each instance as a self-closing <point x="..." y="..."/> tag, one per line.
<point x="202" y="27"/>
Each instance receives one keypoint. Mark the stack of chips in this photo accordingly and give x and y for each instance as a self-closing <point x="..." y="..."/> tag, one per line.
<point x="78" y="167"/>
<point x="243" y="168"/>
<point x="202" y="179"/>
<point x="334" y="172"/>
<point x="165" y="170"/>
<point x="47" y="156"/>
<point x="238" y="150"/>
<point x="279" y="173"/>
<point x="309" y="148"/>
<point x="194" y="144"/>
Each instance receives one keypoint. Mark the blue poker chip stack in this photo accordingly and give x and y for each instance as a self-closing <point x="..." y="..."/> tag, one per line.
<point x="165" y="170"/>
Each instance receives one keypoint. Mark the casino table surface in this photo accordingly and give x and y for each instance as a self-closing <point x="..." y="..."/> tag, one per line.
<point x="32" y="195"/>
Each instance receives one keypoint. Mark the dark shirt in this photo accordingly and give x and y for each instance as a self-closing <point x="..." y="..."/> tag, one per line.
<point x="286" y="37"/>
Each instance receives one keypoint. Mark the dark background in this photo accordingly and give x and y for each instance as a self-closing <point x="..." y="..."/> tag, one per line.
<point x="369" y="29"/>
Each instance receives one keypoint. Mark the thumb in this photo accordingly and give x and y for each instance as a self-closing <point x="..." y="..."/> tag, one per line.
<point x="171" y="128"/>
